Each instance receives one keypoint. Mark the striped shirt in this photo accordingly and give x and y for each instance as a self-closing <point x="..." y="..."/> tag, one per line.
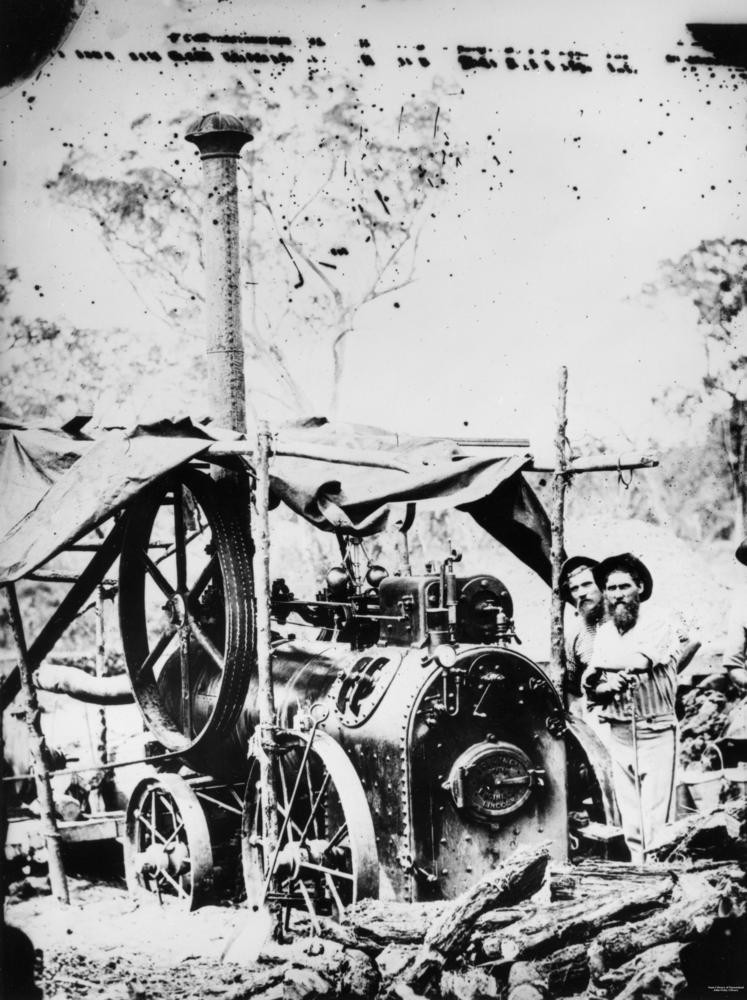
<point x="578" y="655"/>
<point x="657" y="636"/>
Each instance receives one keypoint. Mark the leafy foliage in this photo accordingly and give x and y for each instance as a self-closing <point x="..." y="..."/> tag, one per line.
<point x="714" y="277"/>
<point x="55" y="370"/>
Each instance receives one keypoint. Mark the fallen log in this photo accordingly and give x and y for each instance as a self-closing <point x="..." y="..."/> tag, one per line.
<point x="393" y="961"/>
<point x="654" y="972"/>
<point x="562" y="973"/>
<point x="495" y="920"/>
<point x="83" y="686"/>
<point x="562" y="924"/>
<point x="515" y="880"/>
<point x="681" y="921"/>
<point x="359" y="977"/>
<point x="519" y="877"/>
<point x="468" y="984"/>
<point x="379" y="922"/>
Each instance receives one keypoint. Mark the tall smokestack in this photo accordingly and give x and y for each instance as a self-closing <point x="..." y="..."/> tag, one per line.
<point x="220" y="139"/>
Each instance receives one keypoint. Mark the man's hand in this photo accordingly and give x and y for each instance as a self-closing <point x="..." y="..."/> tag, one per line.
<point x="636" y="663"/>
<point x="614" y="683"/>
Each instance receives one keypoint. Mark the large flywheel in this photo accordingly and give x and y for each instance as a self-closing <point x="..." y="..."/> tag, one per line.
<point x="326" y="856"/>
<point x="186" y="608"/>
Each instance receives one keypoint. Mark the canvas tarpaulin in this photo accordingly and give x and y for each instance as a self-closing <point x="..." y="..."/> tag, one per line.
<point x="57" y="487"/>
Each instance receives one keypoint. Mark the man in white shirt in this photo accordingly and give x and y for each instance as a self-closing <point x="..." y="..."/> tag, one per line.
<point x="633" y="676"/>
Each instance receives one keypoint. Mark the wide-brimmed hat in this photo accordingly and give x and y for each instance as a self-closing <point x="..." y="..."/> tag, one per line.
<point x="741" y="552"/>
<point x="628" y="563"/>
<point x="570" y="566"/>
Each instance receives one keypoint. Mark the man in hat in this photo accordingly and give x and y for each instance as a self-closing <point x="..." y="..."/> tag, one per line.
<point x="579" y="588"/>
<point x="633" y="676"/>
<point x="735" y="649"/>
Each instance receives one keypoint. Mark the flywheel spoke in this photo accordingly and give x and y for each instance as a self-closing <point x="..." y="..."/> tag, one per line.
<point x="156" y="575"/>
<point x="202" y="581"/>
<point x="206" y="643"/>
<point x="156" y="653"/>
<point x="179" y="540"/>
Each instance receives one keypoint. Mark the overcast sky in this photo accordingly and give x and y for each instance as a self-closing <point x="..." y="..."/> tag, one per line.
<point x="531" y="262"/>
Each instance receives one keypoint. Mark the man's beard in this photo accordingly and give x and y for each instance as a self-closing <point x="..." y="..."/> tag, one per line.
<point x="624" y="612"/>
<point x="592" y="614"/>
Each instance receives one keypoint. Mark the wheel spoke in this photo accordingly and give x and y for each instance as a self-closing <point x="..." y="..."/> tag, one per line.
<point x="334" y="841"/>
<point x="284" y="786"/>
<point x="180" y="890"/>
<point x="179" y="539"/>
<point x="315" y="806"/>
<point x="154" y="831"/>
<point x="334" y="872"/>
<point x="310" y="788"/>
<point x="156" y="653"/>
<point x="309" y="906"/>
<point x="284" y="812"/>
<point x="205" y="642"/>
<point x="155" y="574"/>
<point x="335" y="895"/>
<point x="202" y="581"/>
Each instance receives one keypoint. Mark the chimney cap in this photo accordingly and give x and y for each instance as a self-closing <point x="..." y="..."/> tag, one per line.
<point x="216" y="134"/>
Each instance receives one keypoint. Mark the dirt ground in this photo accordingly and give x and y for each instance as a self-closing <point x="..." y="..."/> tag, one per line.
<point x="105" y="946"/>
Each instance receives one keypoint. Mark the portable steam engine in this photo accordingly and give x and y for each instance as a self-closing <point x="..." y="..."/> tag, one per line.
<point x="416" y="746"/>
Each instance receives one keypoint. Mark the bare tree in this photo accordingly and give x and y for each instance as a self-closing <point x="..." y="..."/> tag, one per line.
<point x="333" y="210"/>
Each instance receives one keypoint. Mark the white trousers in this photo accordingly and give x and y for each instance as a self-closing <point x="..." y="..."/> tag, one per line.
<point x="657" y="758"/>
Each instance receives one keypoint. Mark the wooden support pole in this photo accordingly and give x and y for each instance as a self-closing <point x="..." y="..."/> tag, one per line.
<point x="101" y="669"/>
<point x="557" y="552"/>
<point x="266" y="694"/>
<point x="39" y="753"/>
<point x="72" y="602"/>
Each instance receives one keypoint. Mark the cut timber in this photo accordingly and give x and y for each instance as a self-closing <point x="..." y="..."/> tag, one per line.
<point x="716" y="836"/>
<point x="682" y="921"/>
<point x="468" y="984"/>
<point x="563" y="972"/>
<point x="83" y="686"/>
<point x="377" y="922"/>
<point x="561" y="924"/>
<point x="395" y="959"/>
<point x="359" y="978"/>
<point x="519" y="877"/>
<point x="501" y="917"/>
<point x="657" y="970"/>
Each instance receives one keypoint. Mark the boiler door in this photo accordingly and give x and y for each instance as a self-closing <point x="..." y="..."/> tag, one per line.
<point x="491" y="780"/>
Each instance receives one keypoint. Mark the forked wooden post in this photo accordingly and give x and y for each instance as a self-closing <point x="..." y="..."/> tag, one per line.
<point x="266" y="693"/>
<point x="101" y="669"/>
<point x="557" y="519"/>
<point x="39" y="753"/>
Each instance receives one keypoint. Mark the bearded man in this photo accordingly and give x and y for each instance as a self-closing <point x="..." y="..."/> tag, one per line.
<point x="633" y="676"/>
<point x="579" y="588"/>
